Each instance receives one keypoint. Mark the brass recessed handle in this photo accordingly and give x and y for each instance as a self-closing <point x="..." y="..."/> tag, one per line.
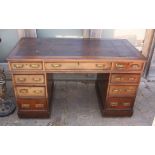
<point x="36" y="79"/>
<point x="129" y="90"/>
<point x="21" y="79"/>
<point x="135" y="66"/>
<point x="23" y="90"/>
<point x="56" y="65"/>
<point x="131" y="78"/>
<point x="37" y="91"/>
<point x="115" y="90"/>
<point x="120" y="65"/>
<point x="34" y="65"/>
<point x="126" y="103"/>
<point x="39" y="105"/>
<point x="100" y="65"/>
<point x="114" y="103"/>
<point x="25" y="105"/>
<point x="118" y="78"/>
<point x="19" y="65"/>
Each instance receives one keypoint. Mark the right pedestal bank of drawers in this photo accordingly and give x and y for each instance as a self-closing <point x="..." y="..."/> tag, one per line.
<point x="122" y="88"/>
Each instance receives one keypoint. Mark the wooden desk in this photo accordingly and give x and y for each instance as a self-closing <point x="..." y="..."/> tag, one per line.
<point x="117" y="63"/>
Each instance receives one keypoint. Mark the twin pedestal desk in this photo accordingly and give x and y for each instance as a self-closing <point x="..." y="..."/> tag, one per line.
<point x="116" y="62"/>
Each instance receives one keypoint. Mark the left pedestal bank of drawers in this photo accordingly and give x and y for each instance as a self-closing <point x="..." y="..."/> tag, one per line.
<point x="30" y="89"/>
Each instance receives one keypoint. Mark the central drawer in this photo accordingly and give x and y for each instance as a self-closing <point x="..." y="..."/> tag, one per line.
<point x="95" y="66"/>
<point x="122" y="90"/>
<point x="30" y="91"/>
<point x="29" y="79"/>
<point x="60" y="66"/>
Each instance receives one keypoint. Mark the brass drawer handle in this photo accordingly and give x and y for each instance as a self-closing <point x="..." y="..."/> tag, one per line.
<point x="39" y="105"/>
<point x="135" y="66"/>
<point x="126" y="104"/>
<point x="23" y="90"/>
<point x="118" y="78"/>
<point x="115" y="90"/>
<point x="25" y="106"/>
<point x="100" y="65"/>
<point x="120" y="65"/>
<point x="34" y="65"/>
<point x="131" y="78"/>
<point x="56" y="65"/>
<point x="19" y="65"/>
<point x="36" y="79"/>
<point x="21" y="79"/>
<point x="129" y="90"/>
<point x="37" y="91"/>
<point x="114" y="103"/>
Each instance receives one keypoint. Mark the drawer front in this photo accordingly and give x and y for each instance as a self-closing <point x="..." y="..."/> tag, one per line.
<point x="122" y="90"/>
<point x="96" y="66"/>
<point x="32" y="104"/>
<point x="125" y="78"/>
<point x="29" y="79"/>
<point x="127" y="66"/>
<point x="120" y="103"/>
<point x="60" y="66"/>
<point x="30" y="91"/>
<point x="27" y="66"/>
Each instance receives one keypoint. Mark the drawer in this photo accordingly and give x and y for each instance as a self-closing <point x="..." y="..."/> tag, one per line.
<point x="122" y="90"/>
<point x="96" y="66"/>
<point x="127" y="66"/>
<point x="60" y="66"/>
<point x="30" y="91"/>
<point x="32" y="104"/>
<point x="26" y="66"/>
<point x="29" y="79"/>
<point x="125" y="78"/>
<point x="120" y="103"/>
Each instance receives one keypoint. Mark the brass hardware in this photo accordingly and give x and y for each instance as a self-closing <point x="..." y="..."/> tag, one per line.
<point x="115" y="90"/>
<point x="23" y="90"/>
<point x="135" y="66"/>
<point x="25" y="105"/>
<point x="39" y="105"/>
<point x="18" y="65"/>
<point x="131" y="78"/>
<point x="100" y="65"/>
<point x="126" y="104"/>
<point x="36" y="79"/>
<point x="118" y="78"/>
<point x="34" y="65"/>
<point x="56" y="65"/>
<point x="22" y="79"/>
<point x="120" y="66"/>
<point x="37" y="91"/>
<point x="129" y="90"/>
<point x="114" y="103"/>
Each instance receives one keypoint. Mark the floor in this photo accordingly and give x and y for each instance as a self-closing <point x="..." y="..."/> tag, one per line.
<point x="75" y="104"/>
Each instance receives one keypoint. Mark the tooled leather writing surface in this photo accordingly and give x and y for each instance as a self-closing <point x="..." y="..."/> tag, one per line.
<point x="75" y="48"/>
